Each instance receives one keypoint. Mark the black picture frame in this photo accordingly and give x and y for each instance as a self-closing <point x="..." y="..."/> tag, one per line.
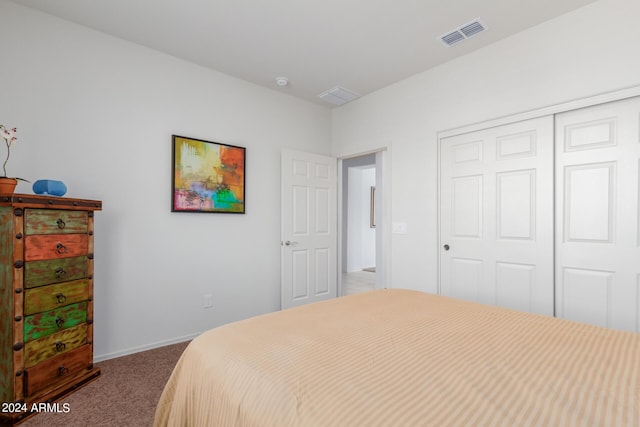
<point x="207" y="176"/>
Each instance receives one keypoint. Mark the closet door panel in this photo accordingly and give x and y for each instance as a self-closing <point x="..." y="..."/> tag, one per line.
<point x="496" y="218"/>
<point x="597" y="215"/>
<point x="587" y="295"/>
<point x="589" y="202"/>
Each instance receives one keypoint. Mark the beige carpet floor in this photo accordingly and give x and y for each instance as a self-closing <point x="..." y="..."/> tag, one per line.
<point x="125" y="394"/>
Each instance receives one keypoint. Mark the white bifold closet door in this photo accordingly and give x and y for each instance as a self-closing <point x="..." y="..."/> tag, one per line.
<point x="496" y="217"/>
<point x="598" y="220"/>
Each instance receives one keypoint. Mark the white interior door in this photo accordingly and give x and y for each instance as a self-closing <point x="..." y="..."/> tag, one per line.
<point x="309" y="228"/>
<point x="597" y="238"/>
<point x="496" y="217"/>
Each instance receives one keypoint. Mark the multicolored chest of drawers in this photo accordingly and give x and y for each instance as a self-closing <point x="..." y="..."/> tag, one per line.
<point x="46" y="299"/>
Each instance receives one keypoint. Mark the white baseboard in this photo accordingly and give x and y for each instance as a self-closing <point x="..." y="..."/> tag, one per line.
<point x="103" y="357"/>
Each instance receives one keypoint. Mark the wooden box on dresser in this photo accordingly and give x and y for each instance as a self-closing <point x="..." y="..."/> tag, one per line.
<point x="46" y="300"/>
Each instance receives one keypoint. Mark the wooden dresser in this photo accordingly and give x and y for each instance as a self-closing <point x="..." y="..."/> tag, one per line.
<point x="46" y="300"/>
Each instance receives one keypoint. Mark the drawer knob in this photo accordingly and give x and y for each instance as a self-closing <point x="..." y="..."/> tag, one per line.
<point x="62" y="371"/>
<point x="61" y="224"/>
<point x="60" y="248"/>
<point x="59" y="322"/>
<point x="60" y="273"/>
<point x="60" y="297"/>
<point x="60" y="346"/>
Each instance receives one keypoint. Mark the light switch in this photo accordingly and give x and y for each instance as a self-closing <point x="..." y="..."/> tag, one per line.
<point x="399" y="228"/>
<point x="208" y="301"/>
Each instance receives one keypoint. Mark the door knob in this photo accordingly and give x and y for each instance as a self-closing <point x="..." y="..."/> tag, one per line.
<point x="290" y="243"/>
<point x="446" y="247"/>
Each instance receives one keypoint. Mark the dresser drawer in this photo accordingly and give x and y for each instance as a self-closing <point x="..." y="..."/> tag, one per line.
<point x="47" y="373"/>
<point x="53" y="345"/>
<point x="38" y="273"/>
<point x="45" y="221"/>
<point x="43" y="324"/>
<point x="47" y="298"/>
<point x="51" y="246"/>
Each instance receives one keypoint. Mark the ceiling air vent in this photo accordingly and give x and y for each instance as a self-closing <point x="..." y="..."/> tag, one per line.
<point x="452" y="38"/>
<point x="463" y="32"/>
<point x="338" y="95"/>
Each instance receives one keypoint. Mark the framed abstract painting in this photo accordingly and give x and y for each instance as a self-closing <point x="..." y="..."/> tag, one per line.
<point x="207" y="176"/>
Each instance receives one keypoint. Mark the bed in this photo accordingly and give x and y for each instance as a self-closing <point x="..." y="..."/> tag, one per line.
<point x="405" y="358"/>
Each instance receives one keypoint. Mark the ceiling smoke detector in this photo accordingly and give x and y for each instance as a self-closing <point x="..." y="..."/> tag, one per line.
<point x="338" y="95"/>
<point x="282" y="81"/>
<point x="463" y="32"/>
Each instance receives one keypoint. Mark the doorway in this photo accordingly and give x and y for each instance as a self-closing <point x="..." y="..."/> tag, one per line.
<point x="313" y="229"/>
<point x="361" y="218"/>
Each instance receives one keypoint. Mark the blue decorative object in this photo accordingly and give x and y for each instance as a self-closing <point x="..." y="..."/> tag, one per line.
<point x="49" y="187"/>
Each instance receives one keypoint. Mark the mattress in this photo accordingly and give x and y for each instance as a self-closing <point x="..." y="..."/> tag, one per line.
<point x="405" y="358"/>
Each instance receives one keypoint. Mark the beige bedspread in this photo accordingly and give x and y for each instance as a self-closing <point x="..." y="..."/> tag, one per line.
<point x="405" y="358"/>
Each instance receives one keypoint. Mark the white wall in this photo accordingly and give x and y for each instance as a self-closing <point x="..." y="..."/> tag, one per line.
<point x="98" y="113"/>
<point x="590" y="51"/>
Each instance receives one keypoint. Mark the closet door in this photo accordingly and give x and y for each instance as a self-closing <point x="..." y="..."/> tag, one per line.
<point x="496" y="216"/>
<point x="597" y="238"/>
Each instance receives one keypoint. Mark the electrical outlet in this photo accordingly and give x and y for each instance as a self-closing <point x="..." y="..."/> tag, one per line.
<point x="208" y="301"/>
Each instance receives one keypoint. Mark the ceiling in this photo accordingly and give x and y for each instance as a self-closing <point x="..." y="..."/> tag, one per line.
<point x="361" y="45"/>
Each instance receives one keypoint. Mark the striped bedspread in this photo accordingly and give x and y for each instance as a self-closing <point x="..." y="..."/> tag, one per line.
<point x="405" y="358"/>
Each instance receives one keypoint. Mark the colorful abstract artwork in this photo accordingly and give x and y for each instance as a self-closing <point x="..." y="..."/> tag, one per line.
<point x="207" y="176"/>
